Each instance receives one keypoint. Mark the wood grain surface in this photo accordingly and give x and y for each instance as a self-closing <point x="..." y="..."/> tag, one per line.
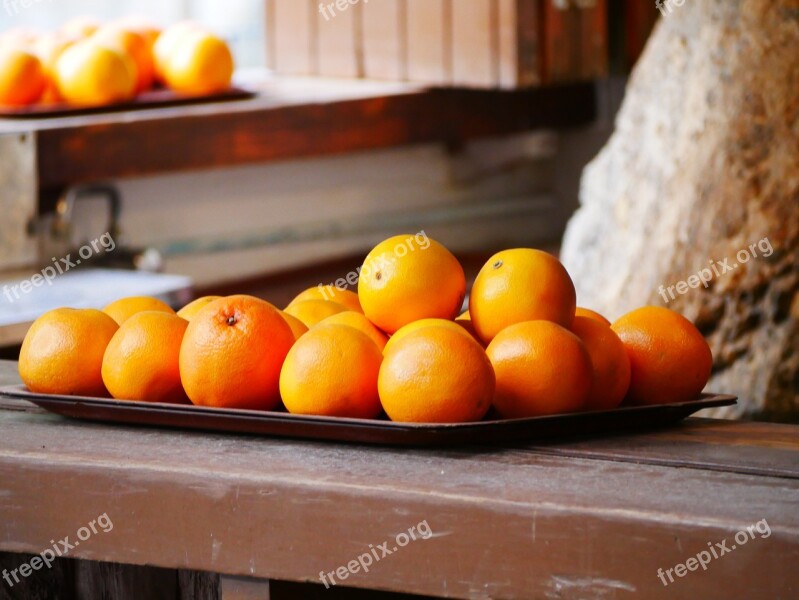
<point x="572" y="520"/>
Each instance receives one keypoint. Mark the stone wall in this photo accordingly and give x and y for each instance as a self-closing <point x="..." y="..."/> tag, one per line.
<point x="701" y="174"/>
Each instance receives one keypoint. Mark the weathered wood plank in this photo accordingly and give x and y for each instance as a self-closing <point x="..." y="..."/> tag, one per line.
<point x="292" y="119"/>
<point x="512" y="529"/>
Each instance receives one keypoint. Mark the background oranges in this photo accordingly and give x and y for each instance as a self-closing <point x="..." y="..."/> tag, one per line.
<point x="436" y="375"/>
<point x="141" y="360"/>
<point x="22" y="76"/>
<point x="541" y="369"/>
<point x="232" y="353"/>
<point x="62" y="352"/>
<point x="670" y="361"/>
<point x="92" y="74"/>
<point x="134" y="46"/>
<point x="521" y="285"/>
<point x="200" y="63"/>
<point x="318" y="377"/>
<point x="407" y="278"/>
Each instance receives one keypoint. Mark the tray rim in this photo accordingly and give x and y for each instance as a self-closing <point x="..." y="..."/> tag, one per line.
<point x="20" y="392"/>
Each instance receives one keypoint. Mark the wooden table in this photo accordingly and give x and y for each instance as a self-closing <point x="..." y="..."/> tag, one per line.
<point x="590" y="518"/>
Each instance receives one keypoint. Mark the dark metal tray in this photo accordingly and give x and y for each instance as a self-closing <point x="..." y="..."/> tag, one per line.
<point x="282" y="424"/>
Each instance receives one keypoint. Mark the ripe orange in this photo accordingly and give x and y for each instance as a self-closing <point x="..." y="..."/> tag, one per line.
<point x="521" y="285"/>
<point x="298" y="328"/>
<point x="22" y="77"/>
<point x="541" y="369"/>
<point x="167" y="43"/>
<point x="124" y="308"/>
<point x="141" y="25"/>
<point x="134" y="46"/>
<point x="421" y="324"/>
<point x="200" y="63"/>
<point x="611" y="366"/>
<point x="192" y="308"/>
<point x="62" y="353"/>
<point x="91" y="74"/>
<point x="359" y="322"/>
<point x="404" y="279"/>
<point x="141" y="360"/>
<point x="436" y="375"/>
<point x="318" y="377"/>
<point x="346" y="298"/>
<point x="48" y="48"/>
<point x="311" y="312"/>
<point x="591" y="314"/>
<point x="464" y="316"/>
<point x="232" y="353"/>
<point x="669" y="358"/>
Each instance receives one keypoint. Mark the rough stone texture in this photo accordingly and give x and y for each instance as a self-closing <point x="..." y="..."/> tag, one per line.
<point x="704" y="162"/>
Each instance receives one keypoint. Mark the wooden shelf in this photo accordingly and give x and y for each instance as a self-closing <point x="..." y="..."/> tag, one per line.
<point x="290" y="118"/>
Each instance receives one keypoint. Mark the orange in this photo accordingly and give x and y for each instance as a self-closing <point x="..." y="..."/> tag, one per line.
<point x="22" y="77"/>
<point x="192" y="308"/>
<point x="436" y="375"/>
<point x="359" y="322"/>
<point x="319" y="378"/>
<point x="521" y="285"/>
<point x="141" y="360"/>
<point x="298" y="328"/>
<point x="421" y="324"/>
<point x="405" y="278"/>
<point x="232" y="353"/>
<point x="166" y="44"/>
<point x="464" y="316"/>
<point x="591" y="314"/>
<point x="124" y="308"/>
<point x="541" y="369"/>
<point x="48" y="48"/>
<point x="141" y="25"/>
<point x="611" y="366"/>
<point x="62" y="353"/>
<point x="311" y="312"/>
<point x="133" y="45"/>
<point x="81" y="27"/>
<point x="346" y="298"/>
<point x="200" y="63"/>
<point x="669" y="358"/>
<point x="91" y="74"/>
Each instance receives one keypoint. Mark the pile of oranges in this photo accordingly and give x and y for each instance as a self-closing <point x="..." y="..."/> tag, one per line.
<point x="398" y="346"/>
<point x="89" y="63"/>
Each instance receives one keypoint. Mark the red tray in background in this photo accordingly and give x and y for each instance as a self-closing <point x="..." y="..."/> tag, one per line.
<point x="367" y="431"/>
<point x="152" y="99"/>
